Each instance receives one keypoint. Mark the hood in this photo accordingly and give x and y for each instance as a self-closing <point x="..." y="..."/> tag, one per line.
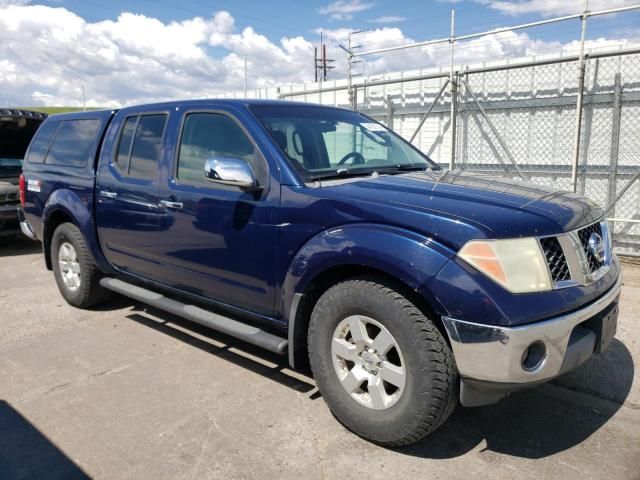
<point x="9" y="174"/>
<point x="9" y="184"/>
<point x="473" y="205"/>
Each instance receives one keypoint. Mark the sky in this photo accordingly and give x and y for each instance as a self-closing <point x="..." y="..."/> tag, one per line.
<point x="136" y="51"/>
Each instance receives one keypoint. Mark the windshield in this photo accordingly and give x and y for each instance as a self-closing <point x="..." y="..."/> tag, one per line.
<point x="327" y="142"/>
<point x="10" y="162"/>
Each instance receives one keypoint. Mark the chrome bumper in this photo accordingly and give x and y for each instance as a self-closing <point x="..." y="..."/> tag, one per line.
<point x="25" y="227"/>
<point x="495" y="354"/>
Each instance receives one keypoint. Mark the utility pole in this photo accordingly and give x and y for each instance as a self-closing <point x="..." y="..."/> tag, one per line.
<point x="322" y="53"/>
<point x="245" y="75"/>
<point x="315" y="63"/>
<point x="322" y="63"/>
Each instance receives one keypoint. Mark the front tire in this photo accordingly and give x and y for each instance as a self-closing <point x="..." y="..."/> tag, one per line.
<point x="76" y="274"/>
<point x="383" y="367"/>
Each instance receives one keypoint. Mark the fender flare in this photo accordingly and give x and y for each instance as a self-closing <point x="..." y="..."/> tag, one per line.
<point x="81" y="213"/>
<point x="411" y="258"/>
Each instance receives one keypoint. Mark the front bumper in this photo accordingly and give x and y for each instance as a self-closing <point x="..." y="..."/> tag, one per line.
<point x="491" y="359"/>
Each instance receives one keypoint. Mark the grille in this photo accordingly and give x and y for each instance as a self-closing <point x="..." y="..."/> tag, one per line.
<point x="555" y="259"/>
<point x="8" y="198"/>
<point x="584" y="235"/>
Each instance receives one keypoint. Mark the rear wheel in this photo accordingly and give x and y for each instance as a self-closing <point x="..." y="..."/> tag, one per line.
<point x="382" y="366"/>
<point x="73" y="268"/>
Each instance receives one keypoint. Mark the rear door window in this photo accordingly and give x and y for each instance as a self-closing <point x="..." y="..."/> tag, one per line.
<point x="73" y="143"/>
<point x="124" y="147"/>
<point x="42" y="142"/>
<point x="140" y="145"/>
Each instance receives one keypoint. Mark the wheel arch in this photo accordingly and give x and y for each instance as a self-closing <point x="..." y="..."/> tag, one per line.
<point x="401" y="259"/>
<point x="67" y="206"/>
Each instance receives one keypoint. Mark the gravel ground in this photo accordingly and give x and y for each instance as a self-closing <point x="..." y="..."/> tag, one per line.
<point x="128" y="392"/>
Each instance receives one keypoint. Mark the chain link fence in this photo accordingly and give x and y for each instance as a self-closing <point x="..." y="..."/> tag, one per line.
<point x="519" y="120"/>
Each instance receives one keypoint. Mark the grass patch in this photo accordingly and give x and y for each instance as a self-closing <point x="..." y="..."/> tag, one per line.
<point x="54" y="110"/>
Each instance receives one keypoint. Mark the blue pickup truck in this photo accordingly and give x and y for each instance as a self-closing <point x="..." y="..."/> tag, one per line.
<point x="318" y="233"/>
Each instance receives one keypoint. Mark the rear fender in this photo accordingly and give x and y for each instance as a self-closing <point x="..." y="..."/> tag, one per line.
<point x="80" y="212"/>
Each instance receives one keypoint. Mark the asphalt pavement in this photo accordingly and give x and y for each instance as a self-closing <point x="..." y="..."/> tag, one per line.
<point x="125" y="392"/>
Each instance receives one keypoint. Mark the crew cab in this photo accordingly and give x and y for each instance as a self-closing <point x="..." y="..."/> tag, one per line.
<point x="317" y="232"/>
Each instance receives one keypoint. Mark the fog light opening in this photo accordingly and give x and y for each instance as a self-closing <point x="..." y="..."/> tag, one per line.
<point x="533" y="356"/>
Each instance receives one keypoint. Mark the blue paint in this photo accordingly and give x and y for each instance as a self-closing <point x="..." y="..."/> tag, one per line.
<point x="252" y="251"/>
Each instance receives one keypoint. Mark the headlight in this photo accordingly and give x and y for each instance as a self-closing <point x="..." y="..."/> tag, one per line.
<point x="517" y="264"/>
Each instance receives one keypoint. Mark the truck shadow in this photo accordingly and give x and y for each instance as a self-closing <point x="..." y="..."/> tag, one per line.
<point x="531" y="424"/>
<point x="18" y="245"/>
<point x="25" y="452"/>
<point x="269" y="365"/>
<point x="539" y="422"/>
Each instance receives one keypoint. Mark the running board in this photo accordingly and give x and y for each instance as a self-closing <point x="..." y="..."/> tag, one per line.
<point x="242" y="331"/>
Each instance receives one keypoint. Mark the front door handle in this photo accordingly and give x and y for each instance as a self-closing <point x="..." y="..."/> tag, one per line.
<point x="170" y="204"/>
<point x="108" y="194"/>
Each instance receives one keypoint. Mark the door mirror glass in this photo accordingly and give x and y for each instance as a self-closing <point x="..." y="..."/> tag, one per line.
<point x="230" y="171"/>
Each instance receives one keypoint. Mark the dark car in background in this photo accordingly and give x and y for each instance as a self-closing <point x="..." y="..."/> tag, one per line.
<point x="17" y="127"/>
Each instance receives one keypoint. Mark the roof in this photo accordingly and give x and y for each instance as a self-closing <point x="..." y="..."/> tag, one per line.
<point x="189" y="104"/>
<point x="228" y="101"/>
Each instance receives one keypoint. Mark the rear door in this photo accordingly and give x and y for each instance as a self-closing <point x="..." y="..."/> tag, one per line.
<point x="127" y="209"/>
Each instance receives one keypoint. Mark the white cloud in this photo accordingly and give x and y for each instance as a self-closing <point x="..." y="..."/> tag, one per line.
<point x="344" y="9"/>
<point x="48" y="54"/>
<point x="552" y="7"/>
<point x="387" y="19"/>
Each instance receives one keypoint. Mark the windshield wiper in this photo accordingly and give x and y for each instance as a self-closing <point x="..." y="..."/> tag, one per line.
<point x="342" y="173"/>
<point x="391" y="169"/>
<point x="403" y="168"/>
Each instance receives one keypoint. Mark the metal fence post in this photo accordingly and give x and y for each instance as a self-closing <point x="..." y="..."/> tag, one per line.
<point x="426" y="114"/>
<point x="615" y="143"/>
<point x="462" y="153"/>
<point x="579" y="102"/>
<point x="493" y="128"/>
<point x="587" y="128"/>
<point x="454" y="94"/>
<point x="349" y="79"/>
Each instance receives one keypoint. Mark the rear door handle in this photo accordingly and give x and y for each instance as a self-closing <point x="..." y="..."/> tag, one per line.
<point x="170" y="204"/>
<point x="108" y="194"/>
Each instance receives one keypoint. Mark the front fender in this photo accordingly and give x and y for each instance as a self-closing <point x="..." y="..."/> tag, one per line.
<point x="80" y="210"/>
<point x="409" y="257"/>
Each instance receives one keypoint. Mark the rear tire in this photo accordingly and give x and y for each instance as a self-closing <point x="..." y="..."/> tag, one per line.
<point x="409" y="387"/>
<point x="73" y="268"/>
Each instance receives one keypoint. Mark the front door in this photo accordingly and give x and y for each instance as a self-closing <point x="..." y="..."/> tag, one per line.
<point x="221" y="240"/>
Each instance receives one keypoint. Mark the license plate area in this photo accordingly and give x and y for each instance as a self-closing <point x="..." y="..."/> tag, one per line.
<point x="604" y="325"/>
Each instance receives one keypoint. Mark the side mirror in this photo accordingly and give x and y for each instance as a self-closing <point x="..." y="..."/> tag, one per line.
<point x="230" y="171"/>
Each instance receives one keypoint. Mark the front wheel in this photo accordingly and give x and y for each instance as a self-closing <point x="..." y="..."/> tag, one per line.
<point x="73" y="268"/>
<point x="382" y="366"/>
